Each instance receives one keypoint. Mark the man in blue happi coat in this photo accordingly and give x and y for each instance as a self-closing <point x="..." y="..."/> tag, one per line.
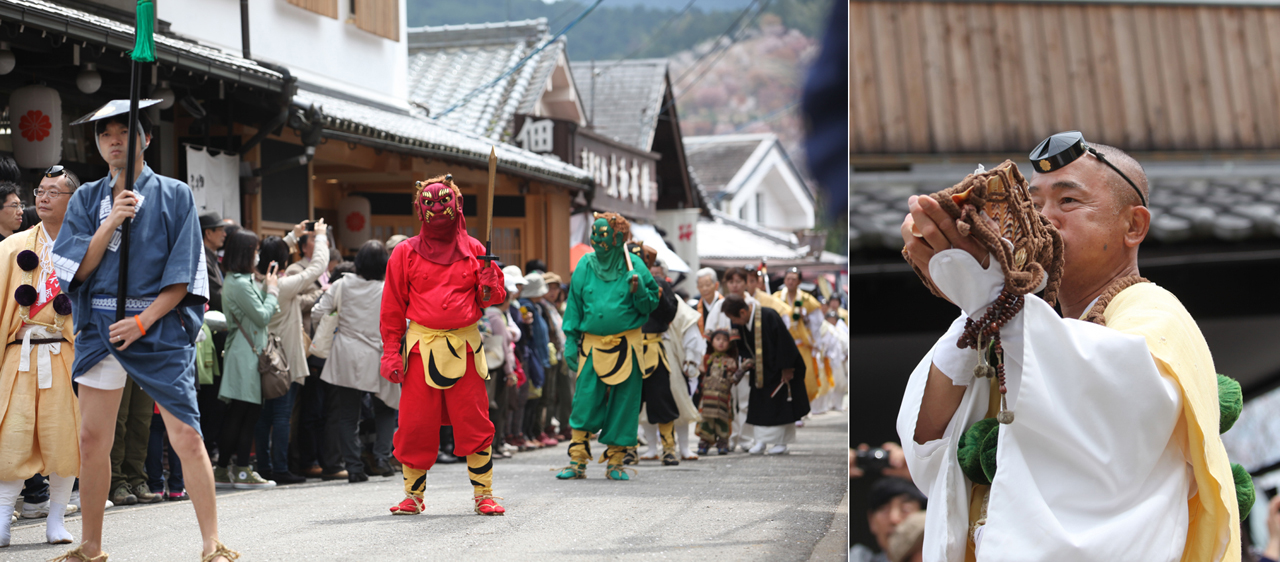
<point x="154" y="345"/>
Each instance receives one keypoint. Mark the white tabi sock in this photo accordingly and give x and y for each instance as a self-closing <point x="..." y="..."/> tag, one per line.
<point x="651" y="435"/>
<point x="59" y="494"/>
<point x="9" y="492"/>
<point x="682" y="439"/>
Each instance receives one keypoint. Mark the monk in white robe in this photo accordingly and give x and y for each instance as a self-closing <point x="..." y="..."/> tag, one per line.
<point x="1114" y="451"/>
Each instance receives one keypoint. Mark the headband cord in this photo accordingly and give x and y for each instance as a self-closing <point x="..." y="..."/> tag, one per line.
<point x="1104" y="160"/>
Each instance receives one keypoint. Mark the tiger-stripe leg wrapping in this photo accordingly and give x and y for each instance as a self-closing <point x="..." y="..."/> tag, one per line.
<point x="415" y="481"/>
<point x="668" y="433"/>
<point x="615" y="469"/>
<point x="579" y="456"/>
<point x="580" y="447"/>
<point x="480" y="469"/>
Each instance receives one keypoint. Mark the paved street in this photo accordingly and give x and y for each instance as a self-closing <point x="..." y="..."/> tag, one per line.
<point x="736" y="507"/>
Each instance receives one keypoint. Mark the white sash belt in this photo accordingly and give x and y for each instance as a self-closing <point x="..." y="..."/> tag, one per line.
<point x="44" y="363"/>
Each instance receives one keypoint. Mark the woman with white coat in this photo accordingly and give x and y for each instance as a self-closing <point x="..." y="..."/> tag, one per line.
<point x="353" y="363"/>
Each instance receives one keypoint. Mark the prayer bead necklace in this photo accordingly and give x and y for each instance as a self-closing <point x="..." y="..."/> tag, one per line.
<point x="984" y="336"/>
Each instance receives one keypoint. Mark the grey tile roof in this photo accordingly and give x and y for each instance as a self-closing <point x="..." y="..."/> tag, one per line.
<point x="450" y="61"/>
<point x="716" y="159"/>
<point x="627" y="96"/>
<point x="174" y="50"/>
<point x="723" y="238"/>
<point x="1187" y="205"/>
<point x="424" y="133"/>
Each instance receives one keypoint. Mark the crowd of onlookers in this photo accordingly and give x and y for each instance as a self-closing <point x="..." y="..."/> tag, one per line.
<point x="331" y="415"/>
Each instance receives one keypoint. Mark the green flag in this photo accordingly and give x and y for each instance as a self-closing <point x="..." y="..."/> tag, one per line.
<point x="144" y="48"/>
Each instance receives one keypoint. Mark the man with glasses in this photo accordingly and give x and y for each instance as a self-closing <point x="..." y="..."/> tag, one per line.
<point x="11" y="213"/>
<point x="1114" y="452"/>
<point x="39" y="414"/>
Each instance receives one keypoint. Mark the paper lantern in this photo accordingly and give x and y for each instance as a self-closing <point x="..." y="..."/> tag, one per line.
<point x="35" y="116"/>
<point x="355" y="224"/>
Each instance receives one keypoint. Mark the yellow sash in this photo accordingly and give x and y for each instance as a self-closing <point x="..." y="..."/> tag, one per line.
<point x="443" y="353"/>
<point x="611" y="356"/>
<point x="979" y="494"/>
<point x="654" y="354"/>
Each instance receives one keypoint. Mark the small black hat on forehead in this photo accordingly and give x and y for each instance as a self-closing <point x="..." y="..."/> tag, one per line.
<point x="1058" y="151"/>
<point x="1064" y="148"/>
<point x="117" y="111"/>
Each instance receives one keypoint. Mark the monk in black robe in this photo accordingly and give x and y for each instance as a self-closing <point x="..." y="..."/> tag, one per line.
<point x="778" y="398"/>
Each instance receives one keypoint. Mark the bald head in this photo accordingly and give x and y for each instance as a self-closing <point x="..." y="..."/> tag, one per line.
<point x="1121" y="191"/>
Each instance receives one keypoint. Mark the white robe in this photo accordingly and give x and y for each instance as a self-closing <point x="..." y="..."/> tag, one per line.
<point x="1090" y="468"/>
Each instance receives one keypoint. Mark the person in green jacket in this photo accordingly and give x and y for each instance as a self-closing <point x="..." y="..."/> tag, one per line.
<point x="249" y="308"/>
<point x="611" y="295"/>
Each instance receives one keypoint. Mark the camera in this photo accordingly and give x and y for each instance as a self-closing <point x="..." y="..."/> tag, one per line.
<point x="311" y="226"/>
<point x="873" y="461"/>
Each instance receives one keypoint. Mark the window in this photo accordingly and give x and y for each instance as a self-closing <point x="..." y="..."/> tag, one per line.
<point x="759" y="208"/>
<point x="379" y="17"/>
<point x="323" y="7"/>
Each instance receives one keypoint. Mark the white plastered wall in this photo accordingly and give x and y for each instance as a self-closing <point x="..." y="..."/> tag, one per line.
<point x="317" y="49"/>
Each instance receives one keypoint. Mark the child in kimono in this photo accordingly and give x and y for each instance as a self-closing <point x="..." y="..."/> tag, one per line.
<point x="720" y="371"/>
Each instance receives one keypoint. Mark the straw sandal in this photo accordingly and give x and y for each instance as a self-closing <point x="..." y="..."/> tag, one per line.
<point x="77" y="553"/>
<point x="485" y="505"/>
<point x="220" y="549"/>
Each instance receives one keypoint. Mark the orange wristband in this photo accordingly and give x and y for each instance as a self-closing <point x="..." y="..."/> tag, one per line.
<point x="139" y="321"/>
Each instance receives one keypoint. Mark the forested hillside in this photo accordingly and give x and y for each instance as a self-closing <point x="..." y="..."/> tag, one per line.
<point x="620" y="28"/>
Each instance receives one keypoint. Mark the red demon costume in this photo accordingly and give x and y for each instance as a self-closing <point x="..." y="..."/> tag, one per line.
<point x="435" y="292"/>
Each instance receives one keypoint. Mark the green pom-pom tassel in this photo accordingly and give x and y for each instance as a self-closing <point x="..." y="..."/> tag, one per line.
<point x="1230" y="402"/>
<point x="971" y="450"/>
<point x="1244" y="489"/>
<point x="144" y="47"/>
<point x="988" y="454"/>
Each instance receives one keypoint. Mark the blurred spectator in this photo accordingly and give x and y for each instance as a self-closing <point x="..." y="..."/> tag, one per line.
<point x="889" y="460"/>
<point x="558" y="396"/>
<point x="499" y="344"/>
<point x="159" y="454"/>
<point x="248" y="309"/>
<point x="395" y="239"/>
<point x="906" y="544"/>
<point x="889" y="502"/>
<point x="709" y="295"/>
<point x="518" y="321"/>
<point x="129" y="450"/>
<point x="209" y="353"/>
<point x="10" y="209"/>
<point x="298" y="291"/>
<point x="352" y="369"/>
<point x="538" y="356"/>
<point x="1272" y="552"/>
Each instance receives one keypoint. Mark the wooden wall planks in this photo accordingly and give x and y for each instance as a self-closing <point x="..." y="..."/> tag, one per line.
<point x="970" y="77"/>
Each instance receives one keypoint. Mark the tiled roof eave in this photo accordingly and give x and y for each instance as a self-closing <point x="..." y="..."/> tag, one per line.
<point x="422" y="147"/>
<point x="95" y="30"/>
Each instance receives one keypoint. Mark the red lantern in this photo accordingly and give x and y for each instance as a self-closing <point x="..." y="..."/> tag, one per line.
<point x="35" y="115"/>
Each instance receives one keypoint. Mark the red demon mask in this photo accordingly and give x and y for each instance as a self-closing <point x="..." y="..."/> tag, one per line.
<point x="437" y="202"/>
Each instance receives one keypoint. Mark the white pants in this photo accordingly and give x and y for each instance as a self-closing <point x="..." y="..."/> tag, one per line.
<point x="742" y="431"/>
<point x="776" y="434"/>
<point x="108" y="374"/>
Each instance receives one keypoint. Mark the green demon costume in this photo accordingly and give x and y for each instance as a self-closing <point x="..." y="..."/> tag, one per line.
<point x="611" y="295"/>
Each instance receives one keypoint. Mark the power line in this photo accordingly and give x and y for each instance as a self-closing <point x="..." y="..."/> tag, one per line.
<point x="651" y="37"/>
<point x="687" y="89"/>
<point x="718" y="40"/>
<point x="467" y="98"/>
<point x="767" y="117"/>
<point x="719" y="56"/>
